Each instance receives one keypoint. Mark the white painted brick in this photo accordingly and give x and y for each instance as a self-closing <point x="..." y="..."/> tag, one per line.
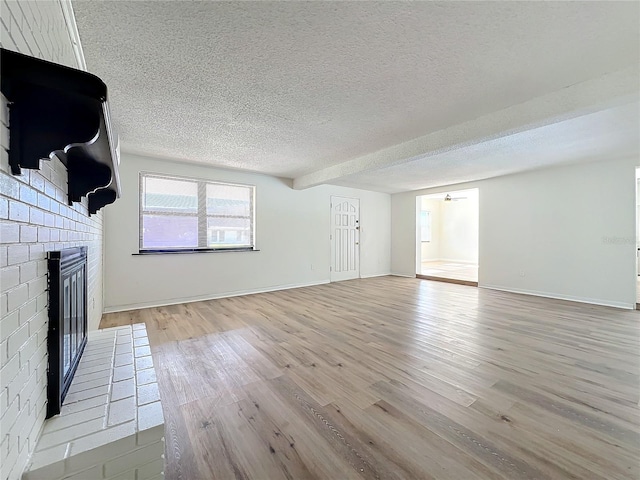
<point x="9" y="232"/>
<point x="28" y="195"/>
<point x="144" y="362"/>
<point x="25" y="393"/>
<point x="17" y="297"/>
<point x="38" y="321"/>
<point x="28" y="234"/>
<point x="9" y="277"/>
<point x="93" y="473"/>
<point x="146" y="376"/>
<point x="8" y="373"/>
<point x="61" y="422"/>
<point x="65" y="435"/>
<point x="140" y="456"/>
<point x="37" y="286"/>
<point x="36" y="216"/>
<point x="4" y="357"/>
<point x="148" y="393"/>
<point x="123" y="372"/>
<point x="43" y="201"/>
<point x="43" y="234"/>
<point x="123" y="389"/>
<point x="17" y="339"/>
<point x="42" y="267"/>
<point x="3" y="257"/>
<point x="150" y="435"/>
<point x="122" y="411"/>
<point x="17" y="254"/>
<point x="28" y="351"/>
<point x="4" y="208"/>
<point x="111" y="443"/>
<point x="86" y="394"/>
<point x="105" y="380"/>
<point x="9" y="417"/>
<point x="45" y="465"/>
<point x="42" y="301"/>
<point x="9" y="186"/>
<point x="37" y="181"/>
<point x="79" y="406"/>
<point x="28" y="270"/>
<point x="28" y="311"/>
<point x="49" y="219"/>
<point x="4" y="403"/>
<point x="150" y="416"/>
<point x="36" y="252"/>
<point x="18" y="212"/>
<point x="150" y="470"/>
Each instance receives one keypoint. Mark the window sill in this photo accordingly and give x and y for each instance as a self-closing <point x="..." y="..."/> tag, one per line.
<point x="194" y="250"/>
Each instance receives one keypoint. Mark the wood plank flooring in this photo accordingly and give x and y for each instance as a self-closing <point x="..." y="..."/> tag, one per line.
<point x="396" y="378"/>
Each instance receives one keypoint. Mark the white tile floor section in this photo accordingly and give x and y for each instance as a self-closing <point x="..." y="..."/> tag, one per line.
<point x="111" y="424"/>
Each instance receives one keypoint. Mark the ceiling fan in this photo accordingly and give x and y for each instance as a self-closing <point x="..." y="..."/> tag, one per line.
<point x="449" y="198"/>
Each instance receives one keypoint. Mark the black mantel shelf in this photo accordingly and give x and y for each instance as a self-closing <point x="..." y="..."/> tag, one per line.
<point x="61" y="111"/>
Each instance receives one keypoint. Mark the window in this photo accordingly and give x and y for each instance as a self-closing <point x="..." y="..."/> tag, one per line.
<point x="186" y="214"/>
<point x="425" y="226"/>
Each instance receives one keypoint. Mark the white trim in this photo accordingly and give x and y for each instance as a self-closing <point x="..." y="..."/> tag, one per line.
<point x="571" y="298"/>
<point x="74" y="35"/>
<point x="200" y="298"/>
<point x="394" y="274"/>
<point x="376" y="275"/>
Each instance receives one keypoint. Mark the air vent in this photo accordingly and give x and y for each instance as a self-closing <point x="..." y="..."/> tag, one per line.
<point x="61" y="111"/>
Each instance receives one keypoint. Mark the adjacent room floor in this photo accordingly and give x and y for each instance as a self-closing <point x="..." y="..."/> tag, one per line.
<point x="396" y="378"/>
<point x="450" y="270"/>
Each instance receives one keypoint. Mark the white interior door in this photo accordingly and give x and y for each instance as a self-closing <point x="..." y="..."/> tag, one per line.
<point x="345" y="238"/>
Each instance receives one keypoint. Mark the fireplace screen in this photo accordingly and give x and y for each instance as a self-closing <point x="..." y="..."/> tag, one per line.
<point x="67" y="321"/>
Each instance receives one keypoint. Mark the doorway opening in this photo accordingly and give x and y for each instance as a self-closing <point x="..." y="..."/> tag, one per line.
<point x="447" y="240"/>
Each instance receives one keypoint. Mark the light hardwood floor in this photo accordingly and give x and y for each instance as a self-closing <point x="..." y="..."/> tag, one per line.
<point x="396" y="378"/>
<point x="450" y="270"/>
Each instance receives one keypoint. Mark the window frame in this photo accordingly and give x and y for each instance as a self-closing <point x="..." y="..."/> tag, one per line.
<point x="200" y="215"/>
<point x="425" y="226"/>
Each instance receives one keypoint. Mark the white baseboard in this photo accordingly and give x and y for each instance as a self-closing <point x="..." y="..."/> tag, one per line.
<point x="200" y="298"/>
<point x="395" y="274"/>
<point x="571" y="298"/>
<point x="376" y="275"/>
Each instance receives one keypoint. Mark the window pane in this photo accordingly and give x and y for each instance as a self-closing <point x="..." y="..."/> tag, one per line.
<point x="228" y="200"/>
<point x="232" y="232"/>
<point x="168" y="195"/>
<point x="168" y="231"/>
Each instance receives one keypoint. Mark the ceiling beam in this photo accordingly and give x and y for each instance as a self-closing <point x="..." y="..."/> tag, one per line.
<point x="604" y="92"/>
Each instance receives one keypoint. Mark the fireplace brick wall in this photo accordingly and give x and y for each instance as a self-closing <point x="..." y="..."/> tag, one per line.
<point x="34" y="219"/>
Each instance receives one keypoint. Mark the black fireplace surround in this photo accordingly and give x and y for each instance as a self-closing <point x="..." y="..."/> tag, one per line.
<point x="67" y="321"/>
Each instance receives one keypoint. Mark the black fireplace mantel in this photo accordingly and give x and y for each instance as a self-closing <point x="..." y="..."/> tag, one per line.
<point x="61" y="111"/>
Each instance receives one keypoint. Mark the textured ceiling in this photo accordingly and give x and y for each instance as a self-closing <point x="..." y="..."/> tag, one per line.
<point x="612" y="133"/>
<point x="289" y="88"/>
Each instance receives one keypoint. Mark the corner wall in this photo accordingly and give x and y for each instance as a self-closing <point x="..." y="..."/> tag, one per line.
<point x="292" y="232"/>
<point x="34" y="219"/>
<point x="565" y="232"/>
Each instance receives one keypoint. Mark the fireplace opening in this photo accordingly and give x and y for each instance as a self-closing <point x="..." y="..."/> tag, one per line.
<point x="67" y="321"/>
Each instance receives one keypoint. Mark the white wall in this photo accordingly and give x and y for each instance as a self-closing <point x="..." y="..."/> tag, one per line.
<point x="292" y="231"/>
<point x="459" y="228"/>
<point x="34" y="219"/>
<point x="565" y="232"/>
<point x="431" y="250"/>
